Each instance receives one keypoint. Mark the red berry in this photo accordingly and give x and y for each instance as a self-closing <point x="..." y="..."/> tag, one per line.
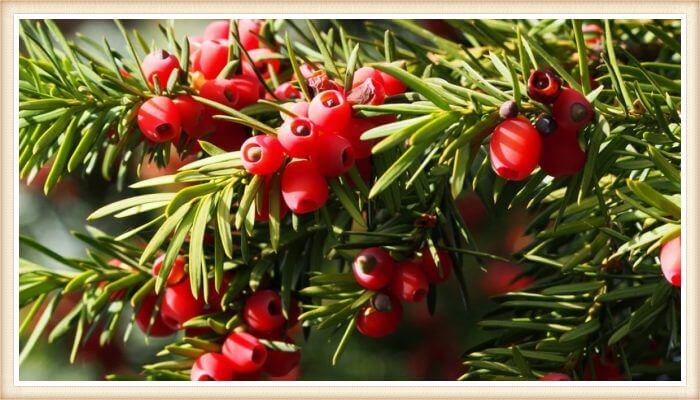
<point x="245" y="352"/>
<point x="237" y="92"/>
<point x="333" y="155"/>
<point x="320" y="82"/>
<point x="555" y="376"/>
<point x="228" y="136"/>
<point x="212" y="57"/>
<point x="301" y="109"/>
<point x="211" y="367"/>
<point x="330" y="111"/>
<point x="298" y="137"/>
<point x="561" y="154"/>
<point x="572" y="111"/>
<point x="593" y="34"/>
<point x="380" y="317"/>
<point x="409" y="282"/>
<point x="262" y="211"/>
<point x="365" y="73"/>
<point x="543" y="86"/>
<point x="371" y="91"/>
<point x="248" y="29"/>
<point x="670" y="256"/>
<point x="177" y="272"/>
<point x="191" y="113"/>
<point x="604" y="369"/>
<point x="179" y="305"/>
<point x="159" y="120"/>
<point x="217" y="30"/>
<point x="353" y="131"/>
<point x="304" y="189"/>
<point x="514" y="149"/>
<point x="431" y="270"/>
<point x="287" y="91"/>
<point x="161" y="64"/>
<point x="143" y="318"/>
<point x="280" y="363"/>
<point x="261" y="59"/>
<point x="392" y="86"/>
<point x="263" y="311"/>
<point x="262" y="154"/>
<point x="503" y="277"/>
<point x="373" y="268"/>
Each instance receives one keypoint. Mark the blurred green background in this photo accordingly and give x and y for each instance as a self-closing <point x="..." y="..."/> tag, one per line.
<point x="425" y="348"/>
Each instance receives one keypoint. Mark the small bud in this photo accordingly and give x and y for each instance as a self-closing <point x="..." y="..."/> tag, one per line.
<point x="545" y="124"/>
<point x="382" y="302"/>
<point x="508" y="109"/>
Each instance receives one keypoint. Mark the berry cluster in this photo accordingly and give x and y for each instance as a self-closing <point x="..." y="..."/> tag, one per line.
<point x="242" y="356"/>
<point x="517" y="147"/>
<point x="163" y="119"/>
<point x="317" y="139"/>
<point x="407" y="281"/>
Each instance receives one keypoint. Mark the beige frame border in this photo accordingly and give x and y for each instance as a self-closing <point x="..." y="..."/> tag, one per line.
<point x="345" y="390"/>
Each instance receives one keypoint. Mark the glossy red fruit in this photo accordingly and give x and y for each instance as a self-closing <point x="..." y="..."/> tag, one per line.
<point x="365" y="73"/>
<point x="191" y="113"/>
<point x="604" y="369"/>
<point x="298" y="137"/>
<point x="245" y="352"/>
<point x="143" y="318"/>
<point x="160" y="64"/>
<point x="371" y="92"/>
<point x="211" y="58"/>
<point x="409" y="282"/>
<point x="177" y="271"/>
<point x="543" y="86"/>
<point x="592" y="34"/>
<point x="319" y="82"/>
<point x="304" y="189"/>
<point x="380" y="317"/>
<point x="555" y="376"/>
<point x="263" y="311"/>
<point x="392" y="86"/>
<point x="262" y="60"/>
<point x="262" y="154"/>
<point x="280" y="363"/>
<point x="333" y="155"/>
<point x="373" y="268"/>
<point x="217" y="30"/>
<point x="287" y="91"/>
<point x="236" y="92"/>
<point x="248" y="29"/>
<point x="159" y="120"/>
<point x="431" y="270"/>
<point x="330" y="111"/>
<point x="572" y="111"/>
<point x="503" y="277"/>
<point x="301" y="109"/>
<point x="514" y="149"/>
<point x="179" y="305"/>
<point x="561" y="154"/>
<point x="211" y="367"/>
<point x="670" y="257"/>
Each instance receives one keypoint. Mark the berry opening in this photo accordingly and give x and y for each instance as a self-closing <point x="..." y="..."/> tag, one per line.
<point x="258" y="355"/>
<point x="367" y="263"/>
<point x="273" y="308"/>
<point x="347" y="158"/>
<point x="163" y="54"/>
<point x="541" y="80"/>
<point x="230" y="95"/>
<point x="301" y="128"/>
<point x="579" y="112"/>
<point x="382" y="303"/>
<point x="330" y="99"/>
<point x="163" y="128"/>
<point x="253" y="153"/>
<point x="205" y="378"/>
